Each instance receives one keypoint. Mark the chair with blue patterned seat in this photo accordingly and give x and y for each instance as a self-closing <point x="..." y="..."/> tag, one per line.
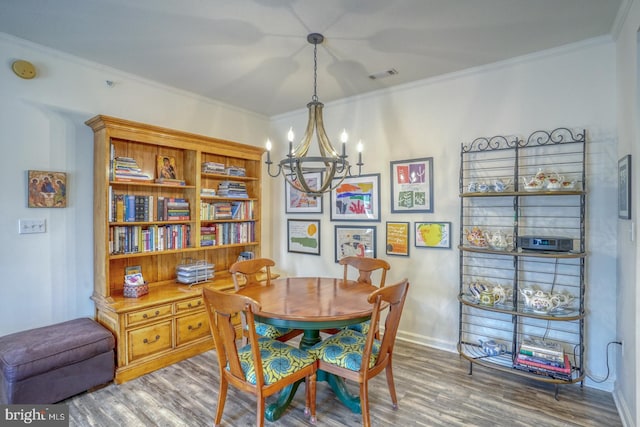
<point x="246" y="273"/>
<point x="359" y="357"/>
<point x="264" y="366"/>
<point x="366" y="267"/>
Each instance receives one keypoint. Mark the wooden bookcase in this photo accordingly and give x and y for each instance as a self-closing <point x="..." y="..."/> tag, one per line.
<point x="169" y="323"/>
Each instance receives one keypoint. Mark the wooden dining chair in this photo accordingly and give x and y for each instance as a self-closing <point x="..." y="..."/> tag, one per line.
<point x="262" y="367"/>
<point x="359" y="357"/>
<point x="248" y="273"/>
<point x="366" y="267"/>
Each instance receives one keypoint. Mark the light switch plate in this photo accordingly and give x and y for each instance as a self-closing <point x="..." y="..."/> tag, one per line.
<point x="30" y="226"/>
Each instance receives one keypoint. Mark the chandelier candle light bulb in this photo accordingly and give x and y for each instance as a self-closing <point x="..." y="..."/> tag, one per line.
<point x="268" y="145"/>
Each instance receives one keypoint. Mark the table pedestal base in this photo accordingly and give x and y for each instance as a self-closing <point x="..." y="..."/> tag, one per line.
<point x="337" y="384"/>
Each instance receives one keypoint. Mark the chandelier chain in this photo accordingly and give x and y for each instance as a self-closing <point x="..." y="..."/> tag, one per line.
<point x="314" y="98"/>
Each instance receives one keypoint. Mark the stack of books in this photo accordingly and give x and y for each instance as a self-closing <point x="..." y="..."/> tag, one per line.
<point x="208" y="235"/>
<point x="127" y="169"/>
<point x="236" y="171"/>
<point x="232" y="189"/>
<point x="543" y="358"/>
<point x="207" y="192"/>
<point x="213" y="167"/>
<point x="176" y="209"/>
<point x="170" y="181"/>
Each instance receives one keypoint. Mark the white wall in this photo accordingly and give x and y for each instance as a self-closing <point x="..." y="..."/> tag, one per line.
<point x="572" y="87"/>
<point x="628" y="297"/>
<point x="48" y="277"/>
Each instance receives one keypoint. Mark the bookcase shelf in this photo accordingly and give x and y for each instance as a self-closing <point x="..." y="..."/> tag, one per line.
<point x="170" y="310"/>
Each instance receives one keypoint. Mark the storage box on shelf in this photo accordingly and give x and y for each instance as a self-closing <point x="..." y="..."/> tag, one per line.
<point x="522" y="253"/>
<point x="157" y="224"/>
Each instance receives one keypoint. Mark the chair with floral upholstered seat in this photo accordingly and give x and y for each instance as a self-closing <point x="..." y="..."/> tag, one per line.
<point x="262" y="367"/>
<point x="365" y="267"/>
<point x="246" y="273"/>
<point x="359" y="357"/>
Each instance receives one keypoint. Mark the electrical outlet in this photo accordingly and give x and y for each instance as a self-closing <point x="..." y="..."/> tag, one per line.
<point x="30" y="226"/>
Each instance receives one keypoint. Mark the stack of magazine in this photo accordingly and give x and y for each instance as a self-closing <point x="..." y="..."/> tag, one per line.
<point x="544" y="358"/>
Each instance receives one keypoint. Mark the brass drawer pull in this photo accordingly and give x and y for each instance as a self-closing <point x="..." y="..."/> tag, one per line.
<point x="146" y="341"/>
<point x="197" y="305"/>
<point x="157" y="313"/>
<point x="191" y="328"/>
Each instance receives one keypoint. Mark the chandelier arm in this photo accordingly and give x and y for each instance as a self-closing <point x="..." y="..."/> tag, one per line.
<point x="324" y="144"/>
<point x="302" y="148"/>
<point x="269" y="170"/>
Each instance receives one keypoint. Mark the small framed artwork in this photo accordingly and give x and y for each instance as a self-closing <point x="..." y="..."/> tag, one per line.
<point x="297" y="201"/>
<point x="624" y="187"/>
<point x="166" y="166"/>
<point x="432" y="235"/>
<point x="412" y="185"/>
<point x="355" y="241"/>
<point x="46" y="189"/>
<point x="303" y="236"/>
<point x="397" y="241"/>
<point x="356" y="199"/>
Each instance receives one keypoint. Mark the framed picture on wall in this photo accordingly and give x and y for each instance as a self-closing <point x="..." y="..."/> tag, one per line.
<point x="297" y="201"/>
<point x="412" y="185"/>
<point x="355" y="241"/>
<point x="432" y="235"/>
<point x="397" y="239"/>
<point x="624" y="187"/>
<point x="46" y="189"/>
<point x="356" y="199"/>
<point x="303" y="236"/>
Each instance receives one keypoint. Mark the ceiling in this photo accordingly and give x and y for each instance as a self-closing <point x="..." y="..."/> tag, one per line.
<point x="254" y="53"/>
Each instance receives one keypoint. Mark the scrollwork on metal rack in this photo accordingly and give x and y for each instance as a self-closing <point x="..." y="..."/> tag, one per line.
<point x="556" y="136"/>
<point x="497" y="142"/>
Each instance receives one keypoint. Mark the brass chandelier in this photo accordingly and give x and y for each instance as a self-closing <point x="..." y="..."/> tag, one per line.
<point x="334" y="167"/>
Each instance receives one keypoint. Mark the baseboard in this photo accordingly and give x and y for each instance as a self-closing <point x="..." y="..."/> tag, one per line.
<point x="623" y="409"/>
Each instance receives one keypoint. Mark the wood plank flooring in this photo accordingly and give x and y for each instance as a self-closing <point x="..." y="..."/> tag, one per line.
<point x="433" y="387"/>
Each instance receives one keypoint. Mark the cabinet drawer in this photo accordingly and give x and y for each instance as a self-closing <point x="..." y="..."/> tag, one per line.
<point x="192" y="327"/>
<point x="191" y="304"/>
<point x="148" y="314"/>
<point x="150" y="339"/>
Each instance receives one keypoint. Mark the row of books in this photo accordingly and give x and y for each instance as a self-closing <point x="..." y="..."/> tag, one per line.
<point x="130" y="239"/>
<point x="226" y="210"/>
<point x="139" y="208"/>
<point x="232" y="189"/>
<point x="227" y="233"/>
<point x="543" y="358"/>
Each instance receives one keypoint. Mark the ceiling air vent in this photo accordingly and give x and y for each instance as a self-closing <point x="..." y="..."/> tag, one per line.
<point x="383" y="74"/>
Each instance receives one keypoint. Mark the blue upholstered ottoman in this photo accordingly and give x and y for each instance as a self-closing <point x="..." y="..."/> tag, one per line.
<point x="49" y="364"/>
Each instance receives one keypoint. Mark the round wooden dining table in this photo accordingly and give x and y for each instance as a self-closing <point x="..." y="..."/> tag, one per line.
<point x="312" y="304"/>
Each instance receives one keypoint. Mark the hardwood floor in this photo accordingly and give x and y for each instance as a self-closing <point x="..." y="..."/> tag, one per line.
<point x="433" y="386"/>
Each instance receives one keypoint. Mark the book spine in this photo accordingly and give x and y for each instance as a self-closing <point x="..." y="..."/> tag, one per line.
<point x="130" y="208"/>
